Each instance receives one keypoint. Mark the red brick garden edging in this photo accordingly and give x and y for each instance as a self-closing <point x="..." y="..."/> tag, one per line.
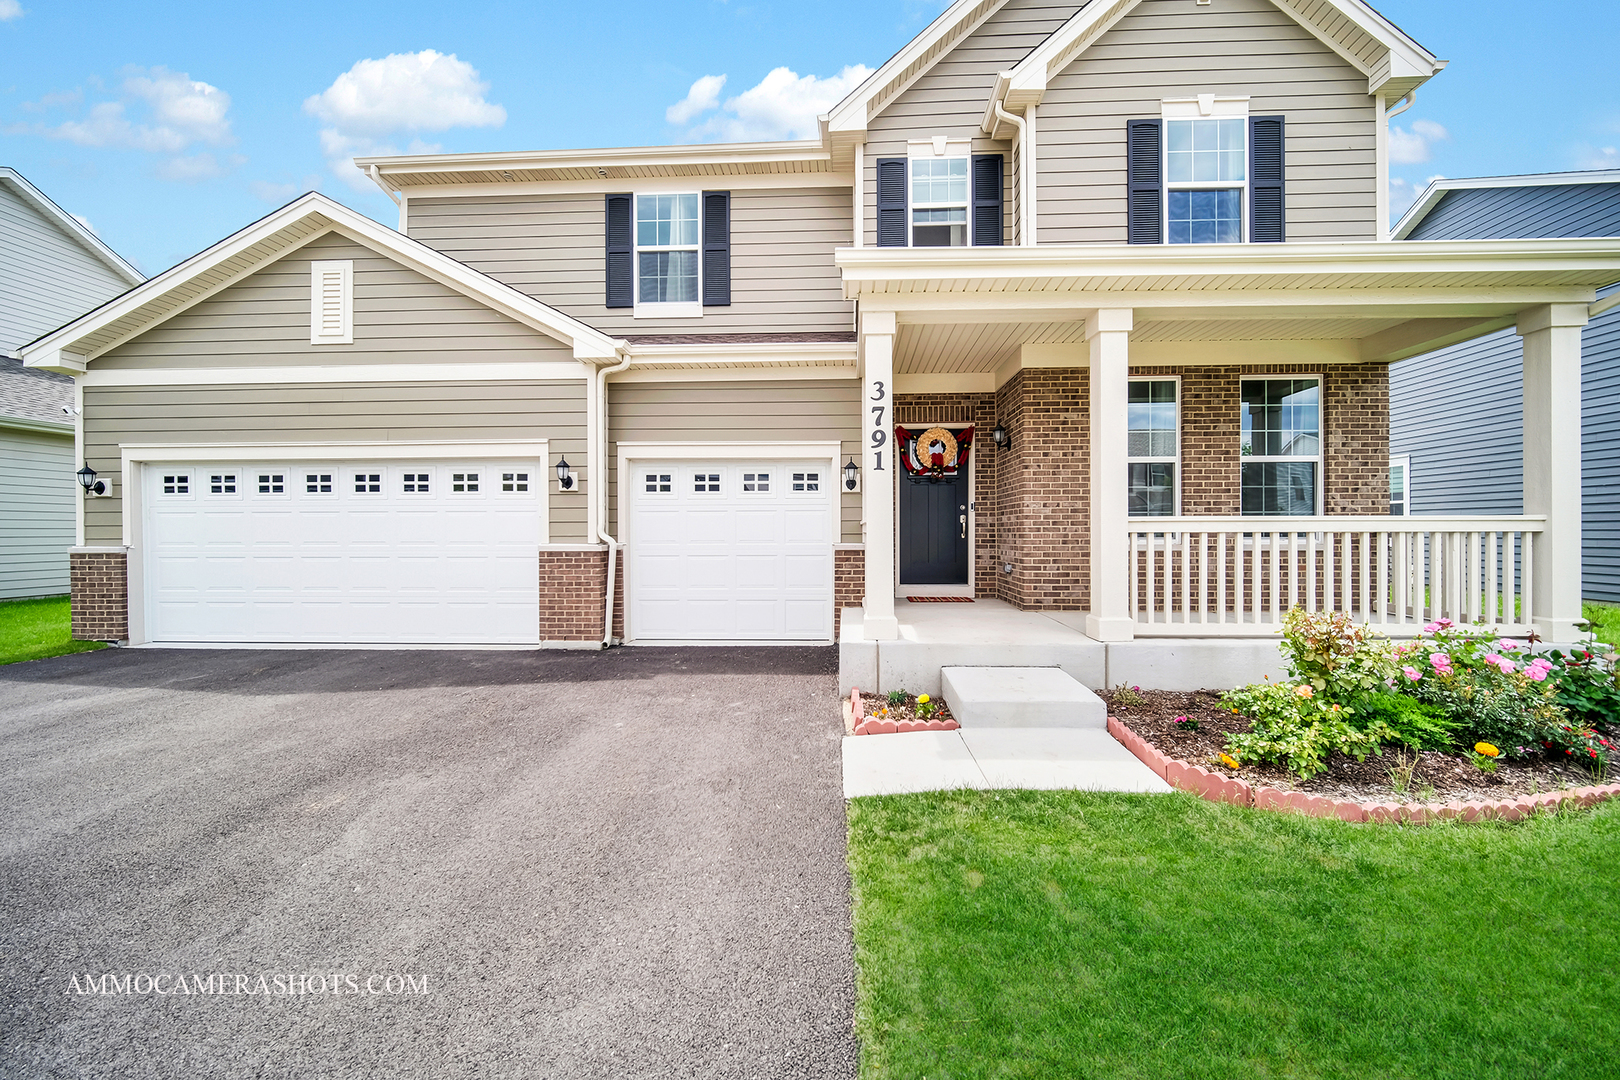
<point x="868" y="725"/>
<point x="1217" y="788"/>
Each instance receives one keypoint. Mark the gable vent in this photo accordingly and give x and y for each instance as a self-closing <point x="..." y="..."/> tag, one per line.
<point x="331" y="302"/>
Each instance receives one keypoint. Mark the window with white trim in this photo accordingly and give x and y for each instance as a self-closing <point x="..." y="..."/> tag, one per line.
<point x="668" y="265"/>
<point x="415" y="483"/>
<point x="222" y="483"/>
<point x="177" y="484"/>
<point x="939" y="202"/>
<point x="272" y="483"/>
<point x="756" y="482"/>
<point x="317" y="483"/>
<point x="514" y="483"/>
<point x="368" y="483"/>
<point x="464" y="483"/>
<point x="331" y="302"/>
<point x="806" y="481"/>
<point x="1281" y="446"/>
<point x="1400" y="485"/>
<point x="706" y="483"/>
<point x="659" y="483"/>
<point x="1153" y="448"/>
<point x="1206" y="168"/>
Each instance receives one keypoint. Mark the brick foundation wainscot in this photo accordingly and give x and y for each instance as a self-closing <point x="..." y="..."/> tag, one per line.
<point x="98" y="579"/>
<point x="849" y="580"/>
<point x="572" y="578"/>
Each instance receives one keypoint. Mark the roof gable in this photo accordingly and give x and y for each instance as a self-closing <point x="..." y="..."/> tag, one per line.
<point x="1537" y="205"/>
<point x="70" y="348"/>
<point x="70" y="225"/>
<point x="1393" y="63"/>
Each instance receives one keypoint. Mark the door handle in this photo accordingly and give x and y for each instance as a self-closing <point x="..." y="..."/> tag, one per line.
<point x="963" y="520"/>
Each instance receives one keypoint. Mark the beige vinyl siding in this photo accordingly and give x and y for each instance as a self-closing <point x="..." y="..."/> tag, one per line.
<point x="37" y="489"/>
<point x="786" y="411"/>
<point x="400" y="316"/>
<point x="47" y="278"/>
<point x="553" y="247"/>
<point x="337" y="413"/>
<point x="950" y="98"/>
<point x="1175" y="48"/>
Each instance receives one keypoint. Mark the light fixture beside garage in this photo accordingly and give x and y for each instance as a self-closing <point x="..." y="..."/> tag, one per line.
<point x="566" y="480"/>
<point x="88" y="481"/>
<point x="852" y="476"/>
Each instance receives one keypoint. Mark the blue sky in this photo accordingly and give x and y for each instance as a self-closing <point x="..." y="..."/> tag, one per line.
<point x="167" y="126"/>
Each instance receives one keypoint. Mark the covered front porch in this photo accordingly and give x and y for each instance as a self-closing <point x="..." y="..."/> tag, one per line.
<point x="1070" y="550"/>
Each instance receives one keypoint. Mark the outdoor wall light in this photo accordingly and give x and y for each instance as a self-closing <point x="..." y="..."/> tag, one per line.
<point x="88" y="481"/>
<point x="1001" y="438"/>
<point x="565" y="475"/>
<point x="852" y="476"/>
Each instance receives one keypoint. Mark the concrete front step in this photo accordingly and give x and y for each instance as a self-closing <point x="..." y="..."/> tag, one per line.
<point x="1020" y="697"/>
<point x="1075" y="759"/>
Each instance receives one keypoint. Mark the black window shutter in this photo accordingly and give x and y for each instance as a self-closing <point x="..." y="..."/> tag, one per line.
<point x="1266" y="215"/>
<point x="621" y="258"/>
<point x="716" y="248"/>
<point x="891" y="202"/>
<point x="987" y="200"/>
<point x="1144" y="179"/>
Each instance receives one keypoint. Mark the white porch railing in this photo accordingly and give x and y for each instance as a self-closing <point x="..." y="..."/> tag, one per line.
<point x="1239" y="576"/>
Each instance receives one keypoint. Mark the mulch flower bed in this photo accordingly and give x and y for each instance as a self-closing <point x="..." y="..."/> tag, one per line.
<point x="1433" y="776"/>
<point x="877" y="712"/>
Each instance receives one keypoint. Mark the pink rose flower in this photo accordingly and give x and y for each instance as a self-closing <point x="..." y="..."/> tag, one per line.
<point x="1412" y="673"/>
<point x="1441" y="662"/>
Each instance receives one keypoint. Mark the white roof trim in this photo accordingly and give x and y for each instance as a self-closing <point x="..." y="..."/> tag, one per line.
<point x="1431" y="194"/>
<point x="57" y="350"/>
<point x="909" y="64"/>
<point x="805" y="150"/>
<point x="70" y="224"/>
<point x="1406" y="59"/>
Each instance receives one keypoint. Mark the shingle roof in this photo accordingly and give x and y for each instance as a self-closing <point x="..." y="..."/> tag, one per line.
<point x="30" y="394"/>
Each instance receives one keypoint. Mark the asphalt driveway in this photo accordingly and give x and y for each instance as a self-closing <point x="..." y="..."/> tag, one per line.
<point x="617" y="864"/>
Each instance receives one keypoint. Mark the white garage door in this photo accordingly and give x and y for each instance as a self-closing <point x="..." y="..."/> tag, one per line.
<point x="731" y="551"/>
<point x="432" y="552"/>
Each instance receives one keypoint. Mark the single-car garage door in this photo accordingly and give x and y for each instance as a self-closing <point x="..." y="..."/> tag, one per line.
<point x="731" y="551"/>
<point x="431" y="552"/>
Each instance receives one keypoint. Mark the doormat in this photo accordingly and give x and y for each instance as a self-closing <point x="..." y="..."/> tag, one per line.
<point x="939" y="599"/>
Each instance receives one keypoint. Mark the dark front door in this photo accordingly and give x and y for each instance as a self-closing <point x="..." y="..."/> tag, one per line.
<point x="933" y="532"/>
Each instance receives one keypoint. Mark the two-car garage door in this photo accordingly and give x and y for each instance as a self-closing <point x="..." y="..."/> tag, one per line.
<point x="731" y="550"/>
<point x="423" y="552"/>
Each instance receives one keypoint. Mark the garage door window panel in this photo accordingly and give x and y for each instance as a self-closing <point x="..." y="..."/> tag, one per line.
<point x="223" y="483"/>
<point x="320" y="483"/>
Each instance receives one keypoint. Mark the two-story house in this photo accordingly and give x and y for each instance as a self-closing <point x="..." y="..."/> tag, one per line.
<point x="1064" y="308"/>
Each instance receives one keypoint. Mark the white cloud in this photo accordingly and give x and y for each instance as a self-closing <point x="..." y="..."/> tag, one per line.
<point x="403" y="93"/>
<point x="704" y="95"/>
<point x="10" y="9"/>
<point x="783" y="106"/>
<point x="174" y="113"/>
<point x="1412" y="147"/>
<point x="1403" y="193"/>
<point x="1606" y="157"/>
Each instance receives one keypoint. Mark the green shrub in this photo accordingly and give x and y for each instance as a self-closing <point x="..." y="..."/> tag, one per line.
<point x="897" y="697"/>
<point x="1588" y="685"/>
<point x="1419" y="724"/>
<point x="1292" y="726"/>
<point x="1340" y="659"/>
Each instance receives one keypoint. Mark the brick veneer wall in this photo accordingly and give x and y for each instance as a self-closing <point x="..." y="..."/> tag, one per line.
<point x="98" y="582"/>
<point x="849" y="581"/>
<point x="571" y="584"/>
<point x="914" y="410"/>
<point x="1045" y="491"/>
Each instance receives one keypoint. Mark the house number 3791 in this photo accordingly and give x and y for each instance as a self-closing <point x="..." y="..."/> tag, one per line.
<point x="880" y="432"/>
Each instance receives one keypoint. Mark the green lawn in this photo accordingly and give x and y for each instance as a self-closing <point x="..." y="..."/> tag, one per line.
<point x="34" y="629"/>
<point x="1605" y="620"/>
<point x="1061" y="934"/>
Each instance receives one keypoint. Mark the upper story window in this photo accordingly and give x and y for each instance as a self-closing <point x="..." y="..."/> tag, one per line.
<point x="668" y="253"/>
<point x="667" y="242"/>
<point x="1205" y="170"/>
<point x="939" y="202"/>
<point x="1282" y="446"/>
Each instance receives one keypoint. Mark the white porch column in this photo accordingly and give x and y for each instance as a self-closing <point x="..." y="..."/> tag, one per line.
<point x="877" y="485"/>
<point x="1552" y="462"/>
<point x="1108" y="332"/>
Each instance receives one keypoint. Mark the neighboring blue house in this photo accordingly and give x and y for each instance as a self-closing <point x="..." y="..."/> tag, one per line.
<point x="1455" y="417"/>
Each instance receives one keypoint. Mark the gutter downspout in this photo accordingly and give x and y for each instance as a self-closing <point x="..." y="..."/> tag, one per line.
<point x="1401" y="106"/>
<point x="1026" y="209"/>
<point x="600" y="490"/>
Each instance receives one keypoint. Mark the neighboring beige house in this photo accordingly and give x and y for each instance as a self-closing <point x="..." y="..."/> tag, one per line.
<point x="1063" y="298"/>
<point x="52" y="268"/>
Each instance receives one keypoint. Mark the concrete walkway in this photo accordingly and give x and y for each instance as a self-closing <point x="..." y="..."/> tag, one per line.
<point x="1084" y="759"/>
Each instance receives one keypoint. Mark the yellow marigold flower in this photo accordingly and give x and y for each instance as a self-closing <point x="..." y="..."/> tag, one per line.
<point x="922" y="699"/>
<point x="1230" y="762"/>
<point x="1305" y="690"/>
<point x="1486" y="749"/>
